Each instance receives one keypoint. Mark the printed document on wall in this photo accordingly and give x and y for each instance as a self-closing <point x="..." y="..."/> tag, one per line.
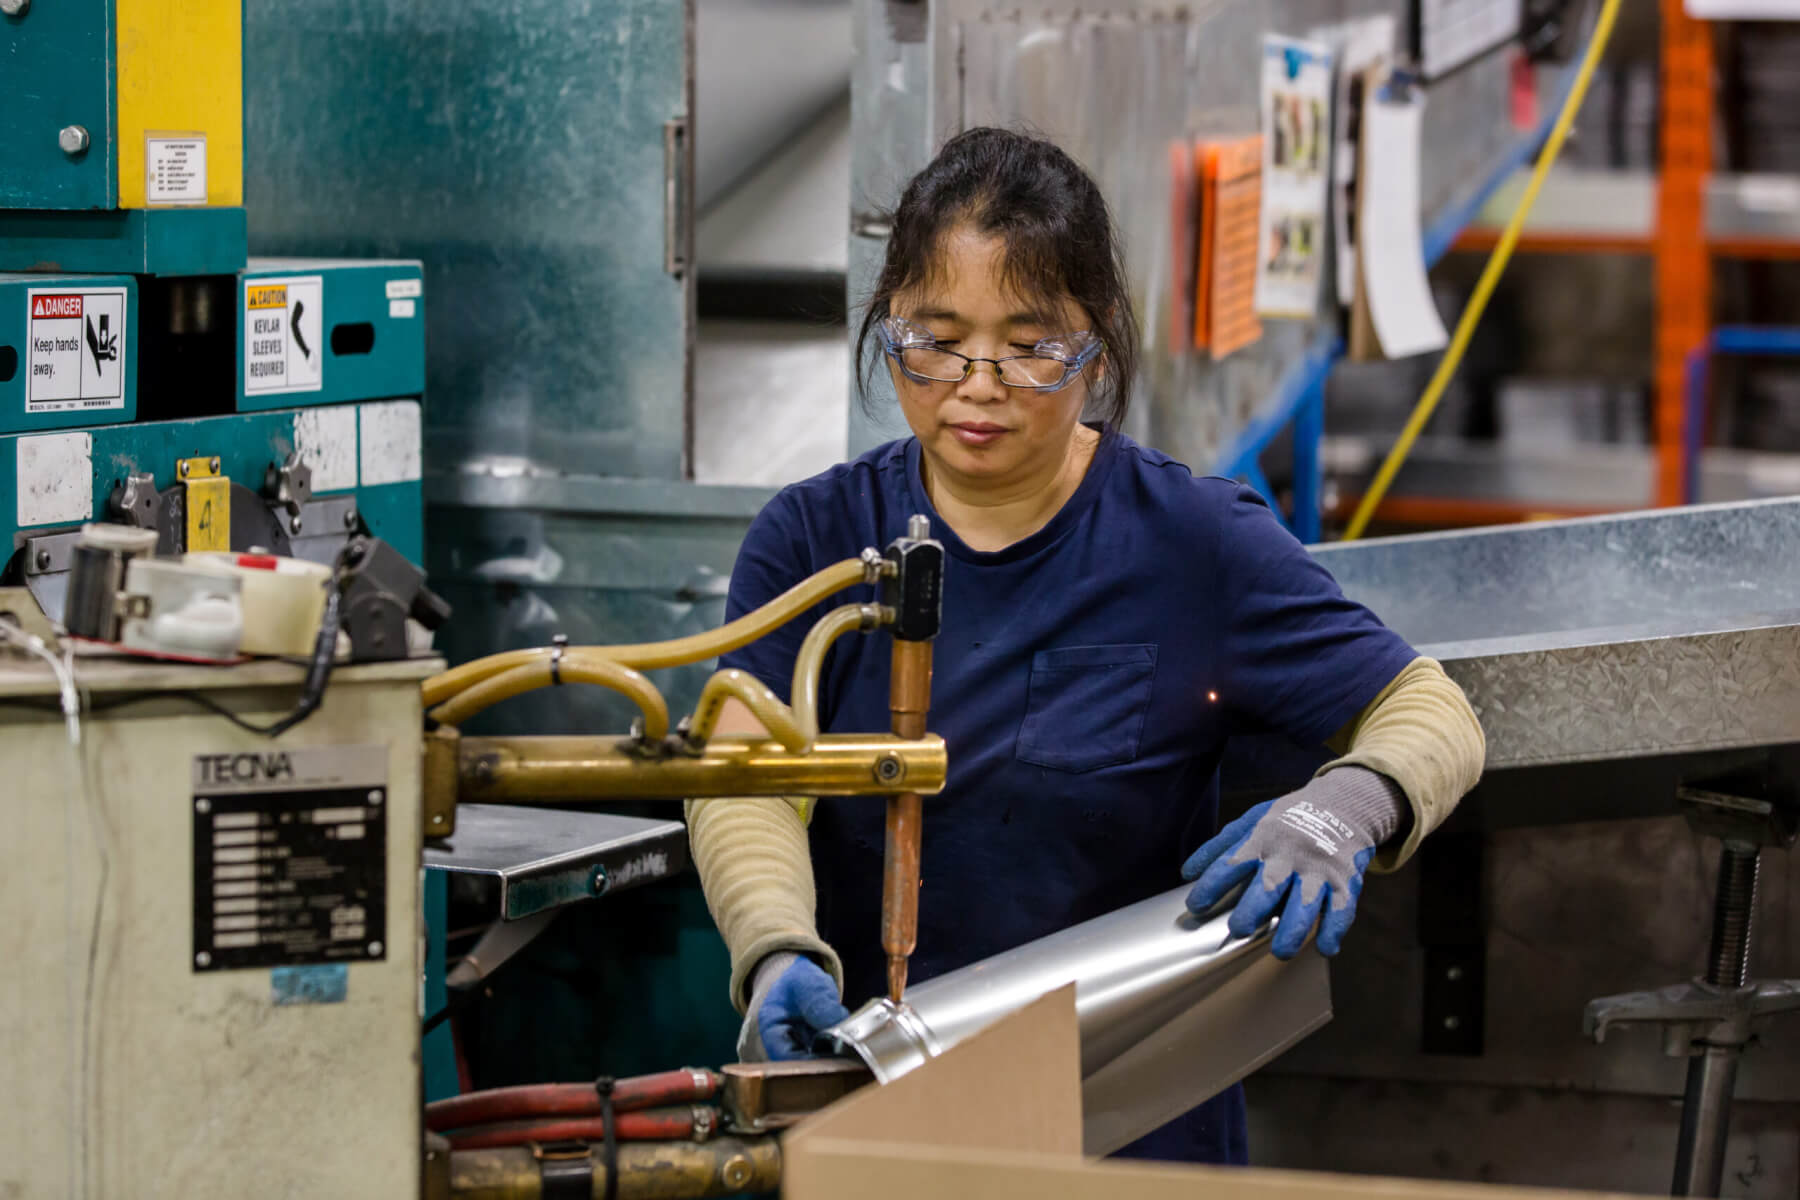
<point x="1389" y="240"/>
<point x="1360" y="45"/>
<point x="1296" y="125"/>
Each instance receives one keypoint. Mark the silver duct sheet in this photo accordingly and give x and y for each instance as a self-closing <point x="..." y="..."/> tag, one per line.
<point x="1172" y="1011"/>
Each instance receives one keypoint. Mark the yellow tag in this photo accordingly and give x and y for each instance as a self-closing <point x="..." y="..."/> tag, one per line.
<point x="208" y="504"/>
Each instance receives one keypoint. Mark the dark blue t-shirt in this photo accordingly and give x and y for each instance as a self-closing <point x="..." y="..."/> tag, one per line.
<point x="1085" y="680"/>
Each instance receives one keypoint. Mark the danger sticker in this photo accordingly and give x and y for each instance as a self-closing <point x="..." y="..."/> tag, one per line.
<point x="75" y="350"/>
<point x="284" y="320"/>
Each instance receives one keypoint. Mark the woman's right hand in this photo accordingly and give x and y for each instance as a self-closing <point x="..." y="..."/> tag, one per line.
<point x="792" y="1002"/>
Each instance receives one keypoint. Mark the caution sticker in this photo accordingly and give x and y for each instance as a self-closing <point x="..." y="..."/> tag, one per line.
<point x="75" y="350"/>
<point x="284" y="326"/>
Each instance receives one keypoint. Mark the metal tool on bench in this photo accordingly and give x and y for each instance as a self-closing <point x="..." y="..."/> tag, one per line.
<point x="1711" y="1019"/>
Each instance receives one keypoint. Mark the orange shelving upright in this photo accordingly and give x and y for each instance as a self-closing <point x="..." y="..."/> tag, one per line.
<point x="1683" y="261"/>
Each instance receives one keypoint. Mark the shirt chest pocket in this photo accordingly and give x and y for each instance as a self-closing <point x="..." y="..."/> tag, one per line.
<point x="1086" y="706"/>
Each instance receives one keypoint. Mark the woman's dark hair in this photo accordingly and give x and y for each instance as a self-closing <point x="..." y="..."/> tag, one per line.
<point x="1057" y="233"/>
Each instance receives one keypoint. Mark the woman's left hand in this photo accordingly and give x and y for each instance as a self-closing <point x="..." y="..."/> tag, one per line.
<point x="1310" y="847"/>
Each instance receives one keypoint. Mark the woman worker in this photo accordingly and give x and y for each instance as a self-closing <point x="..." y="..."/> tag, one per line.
<point x="1109" y="621"/>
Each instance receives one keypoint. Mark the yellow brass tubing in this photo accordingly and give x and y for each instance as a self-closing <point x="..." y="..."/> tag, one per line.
<point x="572" y="669"/>
<point x="796" y="728"/>
<point x="755" y="695"/>
<point x="648" y="656"/>
<point x="725" y="1166"/>
<point x="583" y="768"/>
<point x="811" y="659"/>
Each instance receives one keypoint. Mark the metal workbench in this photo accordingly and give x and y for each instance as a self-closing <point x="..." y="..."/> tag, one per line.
<point x="1608" y="657"/>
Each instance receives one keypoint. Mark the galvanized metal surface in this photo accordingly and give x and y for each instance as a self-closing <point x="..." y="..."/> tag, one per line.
<point x="1607" y="637"/>
<point x="1114" y="82"/>
<point x="517" y="149"/>
<point x="1171" y="1008"/>
<point x="541" y="858"/>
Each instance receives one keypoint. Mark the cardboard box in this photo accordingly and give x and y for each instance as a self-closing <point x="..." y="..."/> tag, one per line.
<point x="999" y="1117"/>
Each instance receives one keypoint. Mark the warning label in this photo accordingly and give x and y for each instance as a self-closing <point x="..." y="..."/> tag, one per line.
<point x="75" y="350"/>
<point x="284" y="324"/>
<point x="175" y="169"/>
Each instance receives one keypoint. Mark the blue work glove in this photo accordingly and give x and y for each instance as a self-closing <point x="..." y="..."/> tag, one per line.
<point x="792" y="1000"/>
<point x="1309" y="848"/>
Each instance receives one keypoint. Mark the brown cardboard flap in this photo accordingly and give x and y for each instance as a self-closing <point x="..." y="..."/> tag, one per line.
<point x="1014" y="1086"/>
<point x="834" y="1168"/>
<point x="998" y="1117"/>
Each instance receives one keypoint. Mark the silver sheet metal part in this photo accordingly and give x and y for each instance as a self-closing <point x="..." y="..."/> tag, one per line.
<point x="1172" y="1010"/>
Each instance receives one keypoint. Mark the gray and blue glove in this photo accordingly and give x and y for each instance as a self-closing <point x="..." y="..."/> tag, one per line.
<point x="1309" y="848"/>
<point x="791" y="1001"/>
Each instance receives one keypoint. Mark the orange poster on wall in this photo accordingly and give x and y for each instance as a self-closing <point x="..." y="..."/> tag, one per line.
<point x="1230" y="208"/>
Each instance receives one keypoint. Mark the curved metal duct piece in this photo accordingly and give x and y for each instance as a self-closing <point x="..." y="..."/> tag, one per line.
<point x="1172" y="1010"/>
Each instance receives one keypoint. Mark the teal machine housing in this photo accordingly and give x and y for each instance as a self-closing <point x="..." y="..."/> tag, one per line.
<point x="68" y="351"/>
<point x="367" y="327"/>
<point x="364" y="460"/>
<point x="66" y="206"/>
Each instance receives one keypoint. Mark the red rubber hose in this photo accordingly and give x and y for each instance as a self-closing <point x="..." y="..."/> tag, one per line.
<point x="650" y="1125"/>
<point x="569" y="1099"/>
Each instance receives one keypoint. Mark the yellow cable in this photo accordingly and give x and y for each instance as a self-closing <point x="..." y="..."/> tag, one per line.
<point x="1490" y="276"/>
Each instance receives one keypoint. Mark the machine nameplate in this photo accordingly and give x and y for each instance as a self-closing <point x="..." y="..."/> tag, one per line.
<point x="175" y="169"/>
<point x="76" y="350"/>
<point x="290" y="856"/>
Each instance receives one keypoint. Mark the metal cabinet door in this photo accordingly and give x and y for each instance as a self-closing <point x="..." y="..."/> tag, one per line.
<point x="533" y="154"/>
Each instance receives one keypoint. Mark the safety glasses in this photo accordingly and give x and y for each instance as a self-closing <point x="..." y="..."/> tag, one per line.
<point x="1051" y="365"/>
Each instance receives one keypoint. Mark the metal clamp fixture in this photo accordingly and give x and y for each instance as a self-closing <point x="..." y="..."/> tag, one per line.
<point x="288" y="487"/>
<point x="1711" y="1018"/>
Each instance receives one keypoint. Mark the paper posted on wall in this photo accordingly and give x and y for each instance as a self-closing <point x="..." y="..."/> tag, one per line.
<point x="1358" y="45"/>
<point x="1394" y="315"/>
<point x="1296" y="122"/>
<point x="1225" y="286"/>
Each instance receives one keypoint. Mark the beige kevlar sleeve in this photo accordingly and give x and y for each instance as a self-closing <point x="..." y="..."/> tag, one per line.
<point x="1421" y="733"/>
<point x="753" y="862"/>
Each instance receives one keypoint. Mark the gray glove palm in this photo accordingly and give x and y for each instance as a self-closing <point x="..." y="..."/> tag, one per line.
<point x="1309" y="848"/>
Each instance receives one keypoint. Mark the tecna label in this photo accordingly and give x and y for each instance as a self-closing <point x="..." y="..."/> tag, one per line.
<point x="75" y="350"/>
<point x="284" y="326"/>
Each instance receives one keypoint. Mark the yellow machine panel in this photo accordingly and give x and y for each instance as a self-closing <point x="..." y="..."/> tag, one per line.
<point x="180" y="80"/>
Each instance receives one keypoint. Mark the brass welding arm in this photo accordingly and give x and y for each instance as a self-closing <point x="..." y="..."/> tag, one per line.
<point x="649" y="656"/>
<point x="573" y="668"/>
